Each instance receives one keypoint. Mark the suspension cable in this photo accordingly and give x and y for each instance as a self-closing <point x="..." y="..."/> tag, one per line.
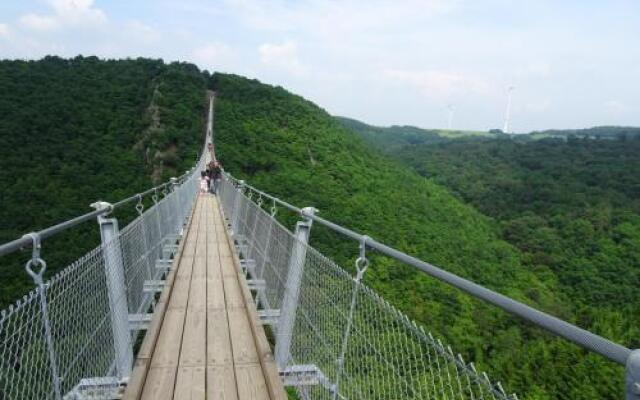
<point x="18" y="244"/>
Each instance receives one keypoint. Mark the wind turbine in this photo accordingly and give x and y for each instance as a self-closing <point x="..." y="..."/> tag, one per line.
<point x="451" y="109"/>
<point x="507" y="115"/>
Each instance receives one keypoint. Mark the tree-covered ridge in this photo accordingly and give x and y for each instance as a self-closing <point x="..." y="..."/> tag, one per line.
<point x="79" y="130"/>
<point x="570" y="205"/>
<point x="295" y="150"/>
<point x="392" y="138"/>
<point x="597" y="132"/>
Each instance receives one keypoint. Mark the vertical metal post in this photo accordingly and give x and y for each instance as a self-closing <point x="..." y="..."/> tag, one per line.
<point x="114" y="271"/>
<point x="632" y="376"/>
<point x="145" y="240"/>
<point x="267" y="248"/>
<point x="158" y="252"/>
<point x="175" y="199"/>
<point x="236" y="207"/>
<point x="292" y="289"/>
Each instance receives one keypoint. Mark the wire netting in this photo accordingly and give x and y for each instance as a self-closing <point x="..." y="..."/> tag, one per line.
<point x="63" y="331"/>
<point x="359" y="345"/>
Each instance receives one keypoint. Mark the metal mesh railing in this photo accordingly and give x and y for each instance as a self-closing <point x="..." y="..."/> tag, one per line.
<point x="63" y="331"/>
<point x="360" y="346"/>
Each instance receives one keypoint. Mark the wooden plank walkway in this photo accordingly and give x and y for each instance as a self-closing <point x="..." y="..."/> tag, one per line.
<point x="205" y="340"/>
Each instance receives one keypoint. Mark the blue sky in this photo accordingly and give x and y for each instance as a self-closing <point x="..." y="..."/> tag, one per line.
<point x="573" y="63"/>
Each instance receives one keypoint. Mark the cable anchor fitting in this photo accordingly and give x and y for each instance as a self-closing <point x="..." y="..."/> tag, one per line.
<point x="139" y="205"/>
<point x="35" y="261"/>
<point x="362" y="262"/>
<point x="154" y="196"/>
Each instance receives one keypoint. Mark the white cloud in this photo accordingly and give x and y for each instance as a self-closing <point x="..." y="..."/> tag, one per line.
<point x="213" y="56"/>
<point x="282" y="56"/>
<point x="538" y="107"/>
<point x="141" y="32"/>
<point x="615" y="107"/>
<point x="536" y="70"/>
<point x="439" y="84"/>
<point x="66" y="13"/>
<point x="329" y="17"/>
<point x="4" y="31"/>
<point x="39" y="22"/>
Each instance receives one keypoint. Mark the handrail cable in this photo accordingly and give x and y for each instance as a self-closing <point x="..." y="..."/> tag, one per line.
<point x="590" y="341"/>
<point x="53" y="230"/>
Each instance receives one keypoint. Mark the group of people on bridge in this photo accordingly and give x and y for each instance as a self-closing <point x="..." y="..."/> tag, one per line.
<point x="211" y="177"/>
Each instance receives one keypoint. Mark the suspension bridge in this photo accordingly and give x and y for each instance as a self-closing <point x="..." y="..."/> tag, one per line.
<point x="210" y="297"/>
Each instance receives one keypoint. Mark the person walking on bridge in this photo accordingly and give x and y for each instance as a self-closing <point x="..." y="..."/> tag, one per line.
<point x="204" y="182"/>
<point x="216" y="176"/>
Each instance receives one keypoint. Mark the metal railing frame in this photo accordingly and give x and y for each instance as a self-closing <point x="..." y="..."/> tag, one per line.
<point x="629" y="358"/>
<point x="53" y="230"/>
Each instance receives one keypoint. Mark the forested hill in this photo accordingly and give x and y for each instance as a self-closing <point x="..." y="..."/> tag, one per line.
<point x="391" y="138"/>
<point x="598" y="132"/>
<point x="571" y="206"/>
<point x="80" y="130"/>
<point x="75" y="131"/>
<point x="295" y="150"/>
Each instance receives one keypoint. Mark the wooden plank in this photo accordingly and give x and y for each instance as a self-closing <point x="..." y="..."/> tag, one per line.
<point x="215" y="292"/>
<point x="198" y="294"/>
<point x="167" y="350"/>
<point x="199" y="267"/>
<point x="159" y="384"/>
<point x="251" y="383"/>
<point x="273" y="381"/>
<point x="185" y="267"/>
<point x="134" y="388"/>
<point x="190" y="383"/>
<point x="201" y="245"/>
<point x="218" y="341"/>
<point x="147" y="347"/>
<point x="180" y="296"/>
<point x="224" y="249"/>
<point x="207" y="345"/>
<point x="242" y="343"/>
<point x="232" y="294"/>
<point x="194" y="340"/>
<point x="227" y="267"/>
<point x="212" y="250"/>
<point x="221" y="383"/>
<point x="190" y="249"/>
<point x="141" y="367"/>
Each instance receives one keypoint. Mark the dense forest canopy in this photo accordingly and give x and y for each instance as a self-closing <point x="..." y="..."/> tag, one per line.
<point x="80" y="130"/>
<point x="571" y="206"/>
<point x="390" y="139"/>
<point x="291" y="148"/>
<point x="553" y="223"/>
<point x="597" y="132"/>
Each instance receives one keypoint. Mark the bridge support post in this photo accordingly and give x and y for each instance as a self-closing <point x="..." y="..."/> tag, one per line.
<point x="114" y="272"/>
<point x="632" y="378"/>
<point x="292" y="290"/>
<point x="176" y="203"/>
<point x="236" y="208"/>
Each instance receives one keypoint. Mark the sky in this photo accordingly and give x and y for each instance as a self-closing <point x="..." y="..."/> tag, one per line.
<point x="572" y="63"/>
